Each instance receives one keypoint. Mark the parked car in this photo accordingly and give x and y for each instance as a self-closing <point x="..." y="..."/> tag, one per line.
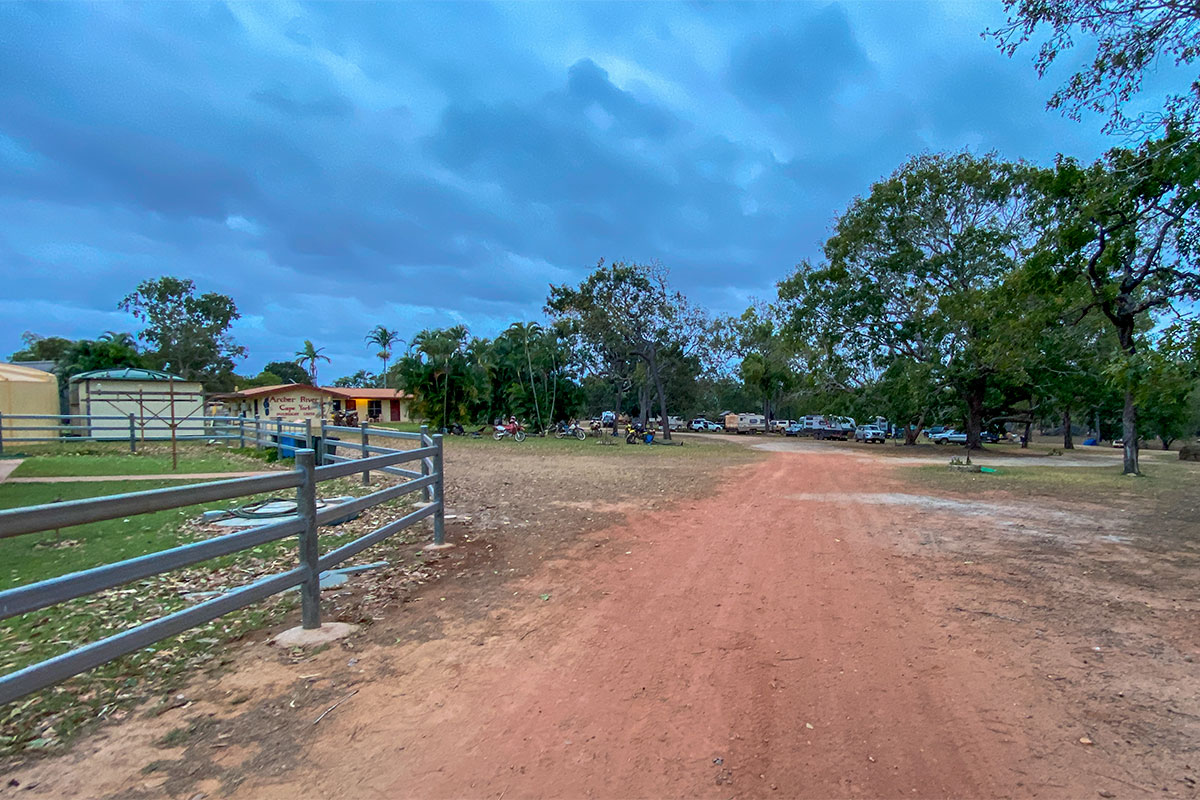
<point x="948" y="437"/>
<point x="929" y="433"/>
<point x="989" y="437"/>
<point x="702" y="425"/>
<point x="1118" y="443"/>
<point x="795" y="429"/>
<point x="869" y="433"/>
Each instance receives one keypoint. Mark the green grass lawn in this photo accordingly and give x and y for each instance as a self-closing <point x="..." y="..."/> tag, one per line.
<point x="1161" y="481"/>
<point x="96" y="459"/>
<point x="38" y="556"/>
<point x="605" y="446"/>
<point x="407" y="427"/>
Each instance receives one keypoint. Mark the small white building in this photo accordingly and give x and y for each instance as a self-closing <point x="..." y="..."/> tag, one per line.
<point x="291" y="402"/>
<point x="157" y="400"/>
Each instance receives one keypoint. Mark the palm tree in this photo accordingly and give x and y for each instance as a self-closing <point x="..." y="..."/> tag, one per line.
<point x="439" y="346"/>
<point x="311" y="355"/>
<point x="384" y="339"/>
<point x="523" y="330"/>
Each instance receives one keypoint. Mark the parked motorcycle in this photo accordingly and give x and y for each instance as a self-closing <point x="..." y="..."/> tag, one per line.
<point x="514" y="429"/>
<point x="635" y="433"/>
<point x="563" y="430"/>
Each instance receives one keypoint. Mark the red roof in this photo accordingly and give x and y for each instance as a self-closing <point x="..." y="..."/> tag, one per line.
<point x="368" y="394"/>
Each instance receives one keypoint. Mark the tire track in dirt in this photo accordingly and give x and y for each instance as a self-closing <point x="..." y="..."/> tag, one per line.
<point x="686" y="654"/>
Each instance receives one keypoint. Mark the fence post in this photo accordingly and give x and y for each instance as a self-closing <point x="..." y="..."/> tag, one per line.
<point x="308" y="442"/>
<point x="132" y="436"/>
<point x="439" y="515"/>
<point x="257" y="435"/>
<point x="242" y="432"/>
<point x="279" y="436"/>
<point x="426" y="441"/>
<point x="2" y="432"/>
<point x="322" y="448"/>
<point x="306" y="509"/>
<point x="365" y="453"/>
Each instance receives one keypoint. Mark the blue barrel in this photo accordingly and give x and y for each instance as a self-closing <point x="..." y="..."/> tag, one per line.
<point x="288" y="445"/>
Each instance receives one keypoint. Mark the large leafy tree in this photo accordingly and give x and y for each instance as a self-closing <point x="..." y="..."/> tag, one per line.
<point x="1169" y="391"/>
<point x="359" y="380"/>
<point x="41" y="348"/>
<point x="385" y="340"/>
<point x="765" y="351"/>
<point x="105" y="352"/>
<point x="624" y="311"/>
<point x="288" y="372"/>
<point x="187" y="334"/>
<point x="1133" y="37"/>
<point x="1128" y="228"/>
<point x="916" y="271"/>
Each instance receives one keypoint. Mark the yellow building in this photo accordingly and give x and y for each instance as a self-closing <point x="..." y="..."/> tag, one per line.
<point x="157" y="401"/>
<point x="373" y="405"/>
<point x="24" y="390"/>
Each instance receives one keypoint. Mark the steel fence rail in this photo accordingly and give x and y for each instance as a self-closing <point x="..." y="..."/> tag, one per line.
<point x="404" y="473"/>
<point x="374" y="462"/>
<point x="49" y="592"/>
<point x="50" y="516"/>
<point x="304" y="479"/>
<point x="43" y="674"/>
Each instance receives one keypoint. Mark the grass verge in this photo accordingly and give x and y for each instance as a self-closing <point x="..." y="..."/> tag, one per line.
<point x="1161" y="481"/>
<point x="97" y="459"/>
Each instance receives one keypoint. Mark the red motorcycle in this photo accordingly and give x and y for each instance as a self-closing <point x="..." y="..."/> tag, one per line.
<point x="514" y="429"/>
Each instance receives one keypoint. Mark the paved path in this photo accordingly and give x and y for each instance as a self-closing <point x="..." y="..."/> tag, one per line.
<point x="7" y="466"/>
<point x="171" y="476"/>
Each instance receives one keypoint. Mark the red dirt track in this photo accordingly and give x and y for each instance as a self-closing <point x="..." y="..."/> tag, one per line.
<point x="687" y="654"/>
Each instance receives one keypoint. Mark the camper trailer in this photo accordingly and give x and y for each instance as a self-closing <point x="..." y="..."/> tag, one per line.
<point x="751" y="423"/>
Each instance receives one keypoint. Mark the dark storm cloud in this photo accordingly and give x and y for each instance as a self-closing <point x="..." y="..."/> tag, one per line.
<point x="797" y="67"/>
<point x="337" y="166"/>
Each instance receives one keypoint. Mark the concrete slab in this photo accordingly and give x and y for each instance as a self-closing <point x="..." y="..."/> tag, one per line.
<point x="7" y="466"/>
<point x="328" y="632"/>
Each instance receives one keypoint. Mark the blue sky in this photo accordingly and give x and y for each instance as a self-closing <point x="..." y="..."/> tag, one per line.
<point x="337" y="166"/>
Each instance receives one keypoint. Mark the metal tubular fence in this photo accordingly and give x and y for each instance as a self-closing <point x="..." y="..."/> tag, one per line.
<point x="18" y="429"/>
<point x="304" y="479"/>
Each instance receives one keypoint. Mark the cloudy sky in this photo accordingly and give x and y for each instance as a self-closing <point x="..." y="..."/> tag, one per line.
<point x="337" y="166"/>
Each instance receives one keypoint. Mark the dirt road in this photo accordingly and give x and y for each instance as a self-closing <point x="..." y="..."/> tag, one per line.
<point x="770" y="639"/>
<point x="736" y="646"/>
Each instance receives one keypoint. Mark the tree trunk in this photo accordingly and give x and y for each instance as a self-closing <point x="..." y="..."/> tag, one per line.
<point x="644" y="404"/>
<point x="1068" y="442"/>
<point x="1028" y="432"/>
<point x="976" y="389"/>
<point x="1166" y="442"/>
<point x="533" y="384"/>
<point x="1129" y="430"/>
<point x="1099" y="435"/>
<point x="911" y="433"/>
<point x="617" y="384"/>
<point x="1129" y="413"/>
<point x="662" y="396"/>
